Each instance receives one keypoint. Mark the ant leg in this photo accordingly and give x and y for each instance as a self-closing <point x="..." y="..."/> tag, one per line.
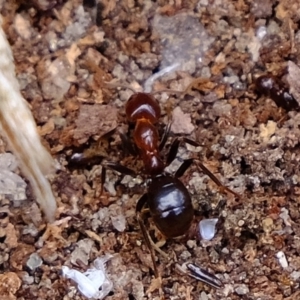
<point x="165" y="136"/>
<point x="108" y="134"/>
<point x="82" y="160"/>
<point x="168" y="128"/>
<point x="206" y="171"/>
<point x="183" y="167"/>
<point x="191" y="142"/>
<point x="115" y="85"/>
<point x="119" y="168"/>
<point x="175" y="146"/>
<point x="215" y="179"/>
<point x="187" y="163"/>
<point x="140" y="209"/>
<point x="115" y="167"/>
<point x="141" y="203"/>
<point x="97" y="149"/>
<point x="127" y="145"/>
<point x="91" y="156"/>
<point x="170" y="91"/>
<point x="103" y="175"/>
<point x="173" y="151"/>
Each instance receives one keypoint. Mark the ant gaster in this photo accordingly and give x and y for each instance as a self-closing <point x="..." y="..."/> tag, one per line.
<point x="167" y="198"/>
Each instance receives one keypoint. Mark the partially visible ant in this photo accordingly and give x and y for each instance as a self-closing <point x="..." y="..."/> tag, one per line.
<point x="167" y="199"/>
<point x="272" y="87"/>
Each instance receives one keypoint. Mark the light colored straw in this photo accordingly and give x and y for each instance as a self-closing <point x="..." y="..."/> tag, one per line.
<point x="18" y="126"/>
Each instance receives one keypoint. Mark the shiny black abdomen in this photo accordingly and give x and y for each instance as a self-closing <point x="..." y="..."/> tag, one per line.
<point x="170" y="205"/>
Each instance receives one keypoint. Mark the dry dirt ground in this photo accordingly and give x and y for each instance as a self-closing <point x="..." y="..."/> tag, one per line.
<point x="65" y="52"/>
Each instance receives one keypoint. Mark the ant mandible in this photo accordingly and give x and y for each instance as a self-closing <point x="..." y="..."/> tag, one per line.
<point x="167" y="198"/>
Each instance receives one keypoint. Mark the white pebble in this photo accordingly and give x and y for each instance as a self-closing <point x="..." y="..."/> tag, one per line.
<point x="261" y="32"/>
<point x="207" y="228"/>
<point x="119" y="222"/>
<point x="282" y="259"/>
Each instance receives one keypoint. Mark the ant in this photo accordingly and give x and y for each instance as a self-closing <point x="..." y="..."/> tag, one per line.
<point x="167" y="199"/>
<point x="270" y="86"/>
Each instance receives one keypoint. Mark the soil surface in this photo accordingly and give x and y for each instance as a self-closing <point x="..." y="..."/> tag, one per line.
<point x="211" y="52"/>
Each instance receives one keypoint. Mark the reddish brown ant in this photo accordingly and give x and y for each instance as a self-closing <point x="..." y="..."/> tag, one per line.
<point x="167" y="198"/>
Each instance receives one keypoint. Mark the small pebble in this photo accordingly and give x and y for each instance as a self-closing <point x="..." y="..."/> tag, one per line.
<point x="282" y="259"/>
<point x="225" y="251"/>
<point x="22" y="27"/>
<point x="207" y="228"/>
<point x="261" y="32"/>
<point x="285" y="217"/>
<point x="26" y="278"/>
<point x="185" y="255"/>
<point x="191" y="244"/>
<point x="242" y="289"/>
<point x="203" y="296"/>
<point x="267" y="225"/>
<point x="34" y="261"/>
<point x="241" y="223"/>
<point x="295" y="275"/>
<point x="182" y="123"/>
<point x="119" y="222"/>
<point x="82" y="251"/>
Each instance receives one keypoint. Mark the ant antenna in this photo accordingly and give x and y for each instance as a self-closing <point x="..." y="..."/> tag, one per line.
<point x="149" y="82"/>
<point x="116" y="85"/>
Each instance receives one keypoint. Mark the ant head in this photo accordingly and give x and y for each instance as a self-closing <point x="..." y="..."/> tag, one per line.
<point x="265" y="83"/>
<point x="142" y="106"/>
